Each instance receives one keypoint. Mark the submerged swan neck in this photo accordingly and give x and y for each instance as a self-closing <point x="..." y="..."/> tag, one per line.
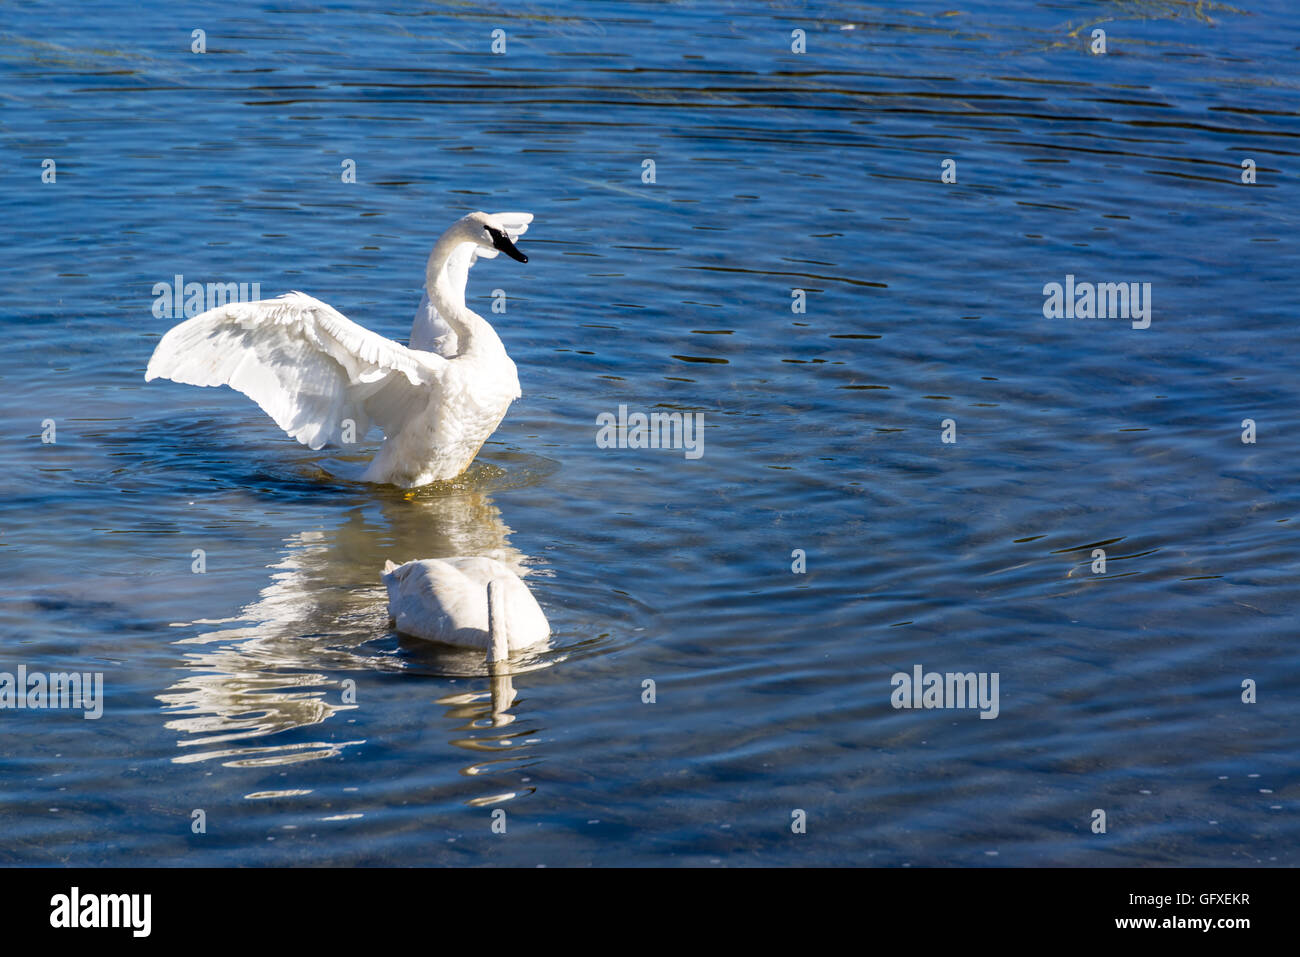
<point x="444" y="283"/>
<point x="498" y="639"/>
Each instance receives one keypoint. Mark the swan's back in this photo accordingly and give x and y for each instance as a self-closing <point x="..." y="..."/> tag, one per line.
<point x="445" y="599"/>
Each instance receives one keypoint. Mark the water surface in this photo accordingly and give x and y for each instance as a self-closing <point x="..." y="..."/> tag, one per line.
<point x="270" y="693"/>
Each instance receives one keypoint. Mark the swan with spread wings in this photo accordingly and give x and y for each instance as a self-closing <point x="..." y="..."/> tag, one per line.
<point x="324" y="379"/>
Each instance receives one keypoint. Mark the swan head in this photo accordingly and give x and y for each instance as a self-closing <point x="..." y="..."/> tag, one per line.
<point x="494" y="233"/>
<point x="478" y="235"/>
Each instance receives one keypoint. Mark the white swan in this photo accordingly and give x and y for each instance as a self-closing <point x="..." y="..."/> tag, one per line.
<point x="323" y="378"/>
<point x="473" y="602"/>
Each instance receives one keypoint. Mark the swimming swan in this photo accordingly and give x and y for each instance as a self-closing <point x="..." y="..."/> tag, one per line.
<point x="473" y="602"/>
<point x="325" y="379"/>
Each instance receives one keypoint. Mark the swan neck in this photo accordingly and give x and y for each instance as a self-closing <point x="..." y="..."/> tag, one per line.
<point x="498" y="639"/>
<point x="445" y="279"/>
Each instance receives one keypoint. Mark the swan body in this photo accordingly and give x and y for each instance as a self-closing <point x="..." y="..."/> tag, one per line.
<point x="473" y="602"/>
<point x="324" y="379"/>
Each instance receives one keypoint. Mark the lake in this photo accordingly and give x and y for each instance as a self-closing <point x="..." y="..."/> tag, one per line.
<point x="831" y="232"/>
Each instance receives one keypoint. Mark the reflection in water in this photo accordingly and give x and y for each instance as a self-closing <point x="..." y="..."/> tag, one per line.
<point x="485" y="715"/>
<point x="251" y="690"/>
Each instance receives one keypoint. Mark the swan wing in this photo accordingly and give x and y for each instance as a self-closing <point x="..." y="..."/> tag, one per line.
<point x="308" y="366"/>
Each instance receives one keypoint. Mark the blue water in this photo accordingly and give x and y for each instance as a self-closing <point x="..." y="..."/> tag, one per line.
<point x="271" y="694"/>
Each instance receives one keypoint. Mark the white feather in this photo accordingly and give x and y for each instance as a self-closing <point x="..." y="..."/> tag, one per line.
<point x="445" y="599"/>
<point x="313" y="370"/>
<point x="308" y="367"/>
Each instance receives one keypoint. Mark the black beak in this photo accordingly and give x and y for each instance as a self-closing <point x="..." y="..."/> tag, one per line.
<point x="502" y="242"/>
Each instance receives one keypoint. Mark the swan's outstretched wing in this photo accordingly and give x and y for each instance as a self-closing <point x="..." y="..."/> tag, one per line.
<point x="309" y="367"/>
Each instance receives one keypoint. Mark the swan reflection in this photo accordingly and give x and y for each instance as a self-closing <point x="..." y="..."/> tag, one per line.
<point x="255" y="688"/>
